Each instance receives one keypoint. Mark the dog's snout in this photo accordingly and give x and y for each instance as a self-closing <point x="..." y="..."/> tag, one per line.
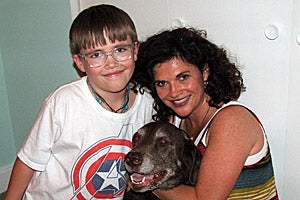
<point x="134" y="159"/>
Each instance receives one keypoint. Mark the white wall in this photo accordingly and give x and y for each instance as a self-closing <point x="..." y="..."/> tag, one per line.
<point x="292" y="153"/>
<point x="269" y="66"/>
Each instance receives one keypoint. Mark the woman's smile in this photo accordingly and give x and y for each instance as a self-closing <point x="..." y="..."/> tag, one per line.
<point x="181" y="102"/>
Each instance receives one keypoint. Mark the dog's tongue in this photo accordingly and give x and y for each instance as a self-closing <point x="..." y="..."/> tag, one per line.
<point x="141" y="180"/>
<point x="141" y="177"/>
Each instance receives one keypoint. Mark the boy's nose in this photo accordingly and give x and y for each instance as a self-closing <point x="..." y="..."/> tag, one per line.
<point x="111" y="62"/>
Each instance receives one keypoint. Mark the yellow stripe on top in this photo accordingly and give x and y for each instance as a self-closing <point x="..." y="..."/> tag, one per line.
<point x="266" y="191"/>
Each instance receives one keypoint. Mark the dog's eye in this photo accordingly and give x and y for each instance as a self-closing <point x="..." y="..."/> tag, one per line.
<point x="163" y="141"/>
<point x="135" y="138"/>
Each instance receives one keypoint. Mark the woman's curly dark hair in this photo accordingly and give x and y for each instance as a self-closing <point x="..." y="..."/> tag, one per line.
<point x="225" y="82"/>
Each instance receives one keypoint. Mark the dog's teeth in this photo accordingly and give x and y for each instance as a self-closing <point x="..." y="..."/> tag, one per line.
<point x="132" y="179"/>
<point x="137" y="182"/>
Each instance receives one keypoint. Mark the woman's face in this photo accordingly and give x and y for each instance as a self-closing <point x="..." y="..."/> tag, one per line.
<point x="179" y="85"/>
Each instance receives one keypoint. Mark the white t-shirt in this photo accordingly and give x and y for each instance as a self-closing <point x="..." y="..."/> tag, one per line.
<point x="77" y="146"/>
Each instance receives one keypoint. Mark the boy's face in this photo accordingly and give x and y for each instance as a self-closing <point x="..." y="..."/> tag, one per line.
<point x="111" y="75"/>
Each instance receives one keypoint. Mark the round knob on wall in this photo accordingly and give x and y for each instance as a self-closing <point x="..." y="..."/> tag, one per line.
<point x="271" y="32"/>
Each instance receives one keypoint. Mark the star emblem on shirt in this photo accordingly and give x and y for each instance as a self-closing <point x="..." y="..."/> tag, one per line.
<point x="110" y="170"/>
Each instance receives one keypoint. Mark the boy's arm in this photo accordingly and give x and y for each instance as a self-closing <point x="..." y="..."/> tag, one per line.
<point x="20" y="177"/>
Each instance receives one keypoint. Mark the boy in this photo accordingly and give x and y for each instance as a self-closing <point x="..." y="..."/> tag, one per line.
<point x="76" y="146"/>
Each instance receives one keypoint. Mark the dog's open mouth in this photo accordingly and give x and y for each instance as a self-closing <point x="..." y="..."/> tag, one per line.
<point x="143" y="180"/>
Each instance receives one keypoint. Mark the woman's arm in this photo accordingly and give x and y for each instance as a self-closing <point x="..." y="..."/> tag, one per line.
<point x="20" y="177"/>
<point x="233" y="136"/>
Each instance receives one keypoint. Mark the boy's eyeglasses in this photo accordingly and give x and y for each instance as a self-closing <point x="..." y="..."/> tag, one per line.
<point x="98" y="58"/>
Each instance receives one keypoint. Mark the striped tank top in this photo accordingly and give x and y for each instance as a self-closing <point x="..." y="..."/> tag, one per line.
<point x="256" y="180"/>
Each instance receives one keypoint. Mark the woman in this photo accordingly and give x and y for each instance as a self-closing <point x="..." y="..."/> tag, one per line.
<point x="195" y="86"/>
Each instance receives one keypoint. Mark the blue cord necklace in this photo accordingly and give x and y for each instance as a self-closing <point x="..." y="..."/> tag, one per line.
<point x="101" y="100"/>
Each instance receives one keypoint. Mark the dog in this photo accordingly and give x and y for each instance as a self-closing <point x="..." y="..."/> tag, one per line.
<point x="162" y="157"/>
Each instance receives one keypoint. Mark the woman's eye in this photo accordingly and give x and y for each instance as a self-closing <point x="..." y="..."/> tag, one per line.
<point x="184" y="77"/>
<point x="160" y="83"/>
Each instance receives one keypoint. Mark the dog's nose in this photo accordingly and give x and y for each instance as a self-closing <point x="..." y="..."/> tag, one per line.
<point x="134" y="159"/>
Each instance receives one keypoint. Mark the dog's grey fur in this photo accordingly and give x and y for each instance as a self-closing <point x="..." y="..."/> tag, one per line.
<point x="161" y="148"/>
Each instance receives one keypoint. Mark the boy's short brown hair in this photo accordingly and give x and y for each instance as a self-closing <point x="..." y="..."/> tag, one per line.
<point x="89" y="27"/>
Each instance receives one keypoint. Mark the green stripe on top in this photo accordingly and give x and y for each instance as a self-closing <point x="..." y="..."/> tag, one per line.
<point x="265" y="191"/>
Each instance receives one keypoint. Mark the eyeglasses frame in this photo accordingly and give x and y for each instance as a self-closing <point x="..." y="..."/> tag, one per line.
<point x="106" y="54"/>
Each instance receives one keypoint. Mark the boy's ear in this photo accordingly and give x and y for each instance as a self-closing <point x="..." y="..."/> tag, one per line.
<point x="136" y="50"/>
<point x="78" y="62"/>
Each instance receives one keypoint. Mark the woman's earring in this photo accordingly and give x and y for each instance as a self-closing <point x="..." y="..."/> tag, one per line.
<point x="205" y="84"/>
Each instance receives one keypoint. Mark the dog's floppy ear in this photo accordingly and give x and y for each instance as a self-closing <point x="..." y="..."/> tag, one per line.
<point x="192" y="159"/>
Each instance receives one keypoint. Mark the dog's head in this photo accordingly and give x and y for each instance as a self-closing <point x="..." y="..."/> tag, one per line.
<point x="161" y="157"/>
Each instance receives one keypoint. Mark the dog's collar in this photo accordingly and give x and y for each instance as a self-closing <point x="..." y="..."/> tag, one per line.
<point x="186" y="135"/>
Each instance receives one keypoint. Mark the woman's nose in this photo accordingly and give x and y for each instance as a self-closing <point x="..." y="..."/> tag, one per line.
<point x="174" y="90"/>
